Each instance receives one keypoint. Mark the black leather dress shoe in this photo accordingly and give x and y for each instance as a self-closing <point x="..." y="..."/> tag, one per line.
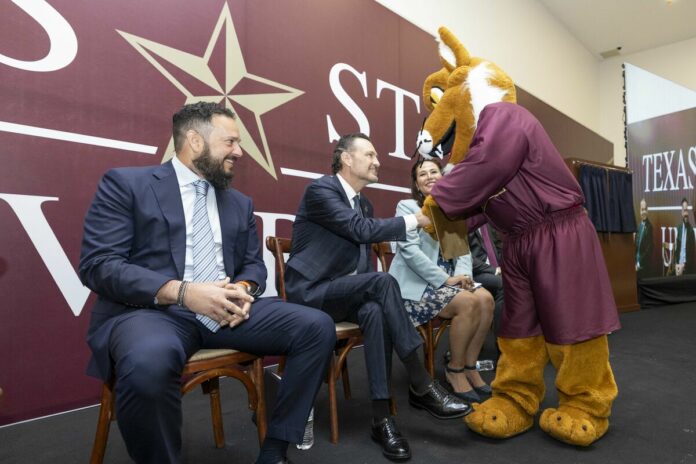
<point x="439" y="402"/>
<point x="394" y="445"/>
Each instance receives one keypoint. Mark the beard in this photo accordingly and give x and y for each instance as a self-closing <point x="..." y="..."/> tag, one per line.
<point x="213" y="170"/>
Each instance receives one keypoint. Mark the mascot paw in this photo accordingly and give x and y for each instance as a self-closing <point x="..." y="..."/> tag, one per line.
<point x="573" y="426"/>
<point x="428" y="205"/>
<point x="498" y="417"/>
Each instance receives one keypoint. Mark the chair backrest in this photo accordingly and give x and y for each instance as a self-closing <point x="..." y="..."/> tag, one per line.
<point x="384" y="253"/>
<point x="279" y="246"/>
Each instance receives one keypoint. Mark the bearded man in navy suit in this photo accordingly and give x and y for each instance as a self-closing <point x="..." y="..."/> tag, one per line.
<point x="153" y="313"/>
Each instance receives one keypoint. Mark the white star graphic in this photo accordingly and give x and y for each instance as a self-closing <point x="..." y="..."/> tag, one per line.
<point x="235" y="71"/>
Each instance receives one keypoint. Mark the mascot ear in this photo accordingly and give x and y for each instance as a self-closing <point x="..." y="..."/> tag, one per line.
<point x="452" y="53"/>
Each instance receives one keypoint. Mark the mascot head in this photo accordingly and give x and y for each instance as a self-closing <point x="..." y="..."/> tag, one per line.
<point x="455" y="95"/>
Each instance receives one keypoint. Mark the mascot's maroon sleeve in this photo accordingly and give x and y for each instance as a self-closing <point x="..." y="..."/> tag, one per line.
<point x="554" y="275"/>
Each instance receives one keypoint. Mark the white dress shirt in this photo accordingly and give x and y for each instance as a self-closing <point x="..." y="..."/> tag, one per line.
<point x="186" y="178"/>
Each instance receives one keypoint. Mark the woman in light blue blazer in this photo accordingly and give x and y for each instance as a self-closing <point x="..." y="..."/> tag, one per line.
<point x="432" y="286"/>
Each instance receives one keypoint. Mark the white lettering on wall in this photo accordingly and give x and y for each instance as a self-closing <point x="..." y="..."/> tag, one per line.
<point x="667" y="171"/>
<point x="61" y="36"/>
<point x="399" y="95"/>
<point x="346" y="100"/>
<point x="28" y="210"/>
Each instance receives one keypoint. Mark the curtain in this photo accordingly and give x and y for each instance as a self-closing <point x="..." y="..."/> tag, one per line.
<point x="593" y="181"/>
<point x="621" y="214"/>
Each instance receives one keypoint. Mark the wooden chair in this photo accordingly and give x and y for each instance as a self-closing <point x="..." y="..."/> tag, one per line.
<point x="204" y="368"/>
<point x="430" y="332"/>
<point x="348" y="335"/>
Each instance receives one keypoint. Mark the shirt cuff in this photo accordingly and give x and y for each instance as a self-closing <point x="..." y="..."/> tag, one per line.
<point x="411" y="222"/>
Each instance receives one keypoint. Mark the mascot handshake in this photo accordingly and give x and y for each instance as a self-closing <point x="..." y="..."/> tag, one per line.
<point x="559" y="307"/>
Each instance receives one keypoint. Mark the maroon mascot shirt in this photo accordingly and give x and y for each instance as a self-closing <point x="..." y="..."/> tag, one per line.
<point x="554" y="276"/>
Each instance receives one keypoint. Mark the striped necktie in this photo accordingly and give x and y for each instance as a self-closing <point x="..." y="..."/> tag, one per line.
<point x="205" y="268"/>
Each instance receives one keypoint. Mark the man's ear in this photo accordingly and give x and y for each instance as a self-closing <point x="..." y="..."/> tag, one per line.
<point x="195" y="141"/>
<point x="346" y="159"/>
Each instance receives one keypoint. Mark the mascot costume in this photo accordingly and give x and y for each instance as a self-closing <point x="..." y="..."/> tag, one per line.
<point x="559" y="305"/>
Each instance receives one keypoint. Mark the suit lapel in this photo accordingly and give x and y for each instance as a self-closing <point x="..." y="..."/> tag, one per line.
<point x="229" y="221"/>
<point x="166" y="188"/>
<point x="366" y="206"/>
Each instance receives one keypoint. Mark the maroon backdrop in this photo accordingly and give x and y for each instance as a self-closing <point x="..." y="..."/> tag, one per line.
<point x="662" y="155"/>
<point x="107" y="88"/>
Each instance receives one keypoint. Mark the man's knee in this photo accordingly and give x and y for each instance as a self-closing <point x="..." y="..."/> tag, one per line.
<point x="323" y="327"/>
<point x="317" y="326"/>
<point x="384" y="280"/>
<point x="150" y="370"/>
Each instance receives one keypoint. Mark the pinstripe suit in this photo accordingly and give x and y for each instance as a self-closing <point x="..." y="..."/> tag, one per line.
<point x="326" y="239"/>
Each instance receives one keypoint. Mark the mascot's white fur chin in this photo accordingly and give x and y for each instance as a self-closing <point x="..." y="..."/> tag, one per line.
<point x="425" y="146"/>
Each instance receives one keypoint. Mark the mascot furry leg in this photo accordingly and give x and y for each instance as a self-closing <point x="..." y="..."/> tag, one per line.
<point x="586" y="390"/>
<point x="518" y="389"/>
<point x="584" y="381"/>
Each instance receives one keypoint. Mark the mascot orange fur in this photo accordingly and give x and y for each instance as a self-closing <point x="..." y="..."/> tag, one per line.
<point x="559" y="306"/>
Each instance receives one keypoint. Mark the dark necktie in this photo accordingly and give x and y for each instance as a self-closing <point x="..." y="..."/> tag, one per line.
<point x="362" y="260"/>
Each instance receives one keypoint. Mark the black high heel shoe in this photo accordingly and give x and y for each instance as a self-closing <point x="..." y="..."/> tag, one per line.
<point x="484" y="389"/>
<point x="470" y="396"/>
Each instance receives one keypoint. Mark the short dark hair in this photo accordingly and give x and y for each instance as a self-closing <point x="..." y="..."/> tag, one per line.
<point x="684" y="200"/>
<point x="415" y="193"/>
<point x="196" y="116"/>
<point x="345" y="143"/>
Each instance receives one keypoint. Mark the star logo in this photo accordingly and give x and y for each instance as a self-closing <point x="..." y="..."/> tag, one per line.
<point x="235" y="73"/>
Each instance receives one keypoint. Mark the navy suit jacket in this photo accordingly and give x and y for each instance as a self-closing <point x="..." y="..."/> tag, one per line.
<point x="326" y="238"/>
<point x="135" y="241"/>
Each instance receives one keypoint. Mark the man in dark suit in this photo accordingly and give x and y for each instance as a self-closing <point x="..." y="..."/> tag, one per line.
<point x="151" y="236"/>
<point x="486" y="265"/>
<point x="684" y="252"/>
<point x="329" y="269"/>
<point x="644" y="243"/>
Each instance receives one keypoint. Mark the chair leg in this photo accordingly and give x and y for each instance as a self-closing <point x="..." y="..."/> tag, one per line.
<point x="212" y="388"/>
<point x="333" y="406"/>
<point x="430" y="346"/>
<point x="426" y="333"/>
<point x="346" y="381"/>
<point x="259" y="383"/>
<point x="103" y="424"/>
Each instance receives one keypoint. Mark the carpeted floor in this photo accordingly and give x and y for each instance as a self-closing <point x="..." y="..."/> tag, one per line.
<point x="653" y="419"/>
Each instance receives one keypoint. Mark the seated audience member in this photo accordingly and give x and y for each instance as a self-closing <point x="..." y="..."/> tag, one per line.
<point x="329" y="268"/>
<point x="644" y="243"/>
<point x="432" y="286"/>
<point x="173" y="255"/>
<point x="485" y="262"/>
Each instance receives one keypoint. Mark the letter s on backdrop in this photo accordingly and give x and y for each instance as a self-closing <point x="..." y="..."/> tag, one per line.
<point x="60" y="34"/>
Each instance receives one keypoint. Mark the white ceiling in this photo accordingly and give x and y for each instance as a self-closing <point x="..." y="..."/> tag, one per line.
<point x="634" y="25"/>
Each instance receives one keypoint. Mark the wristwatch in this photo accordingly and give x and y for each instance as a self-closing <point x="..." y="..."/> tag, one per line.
<point x="252" y="288"/>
